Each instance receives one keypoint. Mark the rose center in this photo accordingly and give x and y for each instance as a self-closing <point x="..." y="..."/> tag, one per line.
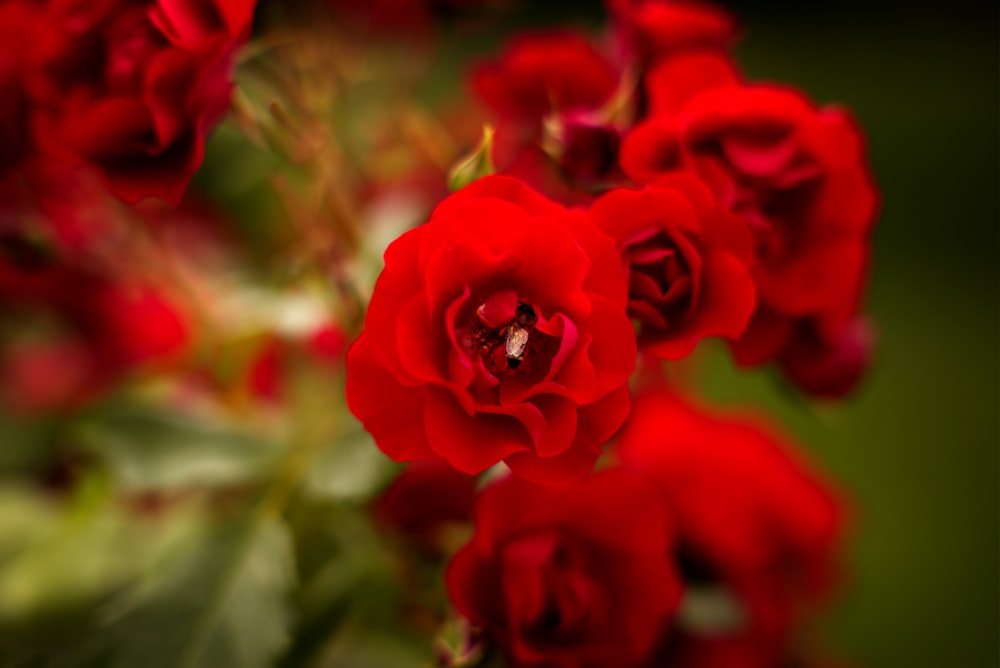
<point x="663" y="268"/>
<point x="506" y="343"/>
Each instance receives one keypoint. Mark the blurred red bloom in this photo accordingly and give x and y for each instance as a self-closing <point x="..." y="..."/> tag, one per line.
<point x="81" y="332"/>
<point x="657" y="29"/>
<point x="540" y="73"/>
<point x="795" y="174"/>
<point x="497" y="331"/>
<point x="755" y="525"/>
<point x="687" y="263"/>
<point x="545" y="91"/>
<point x="129" y="88"/>
<point x="578" y="578"/>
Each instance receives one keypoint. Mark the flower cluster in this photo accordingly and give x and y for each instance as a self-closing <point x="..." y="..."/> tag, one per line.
<point x="704" y="546"/>
<point x="578" y="123"/>
<point x="644" y="196"/>
<point x="564" y="504"/>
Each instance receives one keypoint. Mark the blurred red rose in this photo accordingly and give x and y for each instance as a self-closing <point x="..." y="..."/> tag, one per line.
<point x="79" y="333"/>
<point x="545" y="91"/>
<point x="657" y="29"/>
<point x="795" y="174"/>
<point x="541" y="73"/>
<point x="687" y="263"/>
<point x="130" y="88"/>
<point x="76" y="324"/>
<point x="577" y="578"/>
<point x="424" y="499"/>
<point x="497" y="331"/>
<point x="757" y="529"/>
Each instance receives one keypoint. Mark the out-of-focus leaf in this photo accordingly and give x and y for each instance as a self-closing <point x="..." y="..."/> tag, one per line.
<point x="60" y="559"/>
<point x="352" y="469"/>
<point x="224" y="601"/>
<point x="358" y="648"/>
<point x="148" y="449"/>
<point x="24" y="441"/>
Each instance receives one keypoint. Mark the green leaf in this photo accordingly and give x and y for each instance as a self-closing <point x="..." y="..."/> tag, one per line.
<point x="352" y="469"/>
<point x="224" y="602"/>
<point x="148" y="449"/>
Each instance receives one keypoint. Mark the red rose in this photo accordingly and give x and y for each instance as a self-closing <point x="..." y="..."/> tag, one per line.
<point x="657" y="29"/>
<point x="547" y="91"/>
<point x="686" y="260"/>
<point x="542" y="73"/>
<point x="497" y="331"/>
<point x="755" y="527"/>
<point x="132" y="88"/>
<point x="576" y="578"/>
<point x="796" y="174"/>
<point x="81" y="327"/>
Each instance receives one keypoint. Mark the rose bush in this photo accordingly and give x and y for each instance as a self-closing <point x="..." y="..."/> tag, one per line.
<point x="687" y="263"/>
<point x="497" y="331"/>
<point x="574" y="578"/>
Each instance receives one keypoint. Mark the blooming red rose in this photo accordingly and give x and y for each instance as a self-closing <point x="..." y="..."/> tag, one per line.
<point x="132" y="88"/>
<point x="548" y="92"/>
<point x="686" y="260"/>
<point x="796" y="174"/>
<point x="657" y="29"/>
<point x="576" y="578"/>
<point x="497" y="331"/>
<point x="756" y="528"/>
